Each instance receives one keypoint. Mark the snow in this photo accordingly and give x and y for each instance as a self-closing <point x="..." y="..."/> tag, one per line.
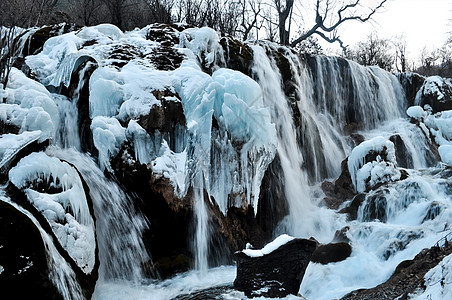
<point x="416" y="112"/>
<point x="67" y="211"/>
<point x="378" y="171"/>
<point x="203" y="42"/>
<point x="29" y="106"/>
<point x="11" y="144"/>
<point x="438" y="282"/>
<point x="105" y="92"/>
<point x="102" y="33"/>
<point x="270" y="247"/>
<point x="434" y="86"/>
<point x="55" y="51"/>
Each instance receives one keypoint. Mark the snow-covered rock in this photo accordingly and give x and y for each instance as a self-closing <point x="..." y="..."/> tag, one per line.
<point x="373" y="162"/>
<point x="276" y="270"/>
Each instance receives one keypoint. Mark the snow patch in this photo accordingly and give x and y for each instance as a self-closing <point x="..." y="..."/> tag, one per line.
<point x="270" y="247"/>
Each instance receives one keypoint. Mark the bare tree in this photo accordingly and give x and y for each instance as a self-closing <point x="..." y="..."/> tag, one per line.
<point x="329" y="16"/>
<point x="374" y="51"/>
<point x="8" y="47"/>
<point x="400" y="46"/>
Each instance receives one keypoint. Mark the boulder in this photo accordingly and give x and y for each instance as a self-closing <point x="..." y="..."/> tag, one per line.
<point x="333" y="252"/>
<point x="277" y="273"/>
<point x="24" y="272"/>
<point x="436" y="92"/>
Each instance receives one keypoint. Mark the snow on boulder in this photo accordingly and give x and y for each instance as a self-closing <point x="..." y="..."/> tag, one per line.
<point x="29" y="106"/>
<point x="55" y="189"/>
<point x="270" y="247"/>
<point x="102" y="33"/>
<point x="276" y="270"/>
<point x="436" y="92"/>
<point x="416" y="112"/>
<point x="373" y="162"/>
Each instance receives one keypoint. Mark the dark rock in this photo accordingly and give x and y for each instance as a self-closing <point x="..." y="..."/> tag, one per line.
<point x="6" y="127"/>
<point x="341" y="235"/>
<point x="269" y="211"/>
<point x="23" y="257"/>
<point x="333" y="252"/>
<point x="340" y="190"/>
<point x="352" y="208"/>
<point x="403" y="159"/>
<point x="411" y="83"/>
<point x="164" y="117"/>
<point x="238" y="56"/>
<point x="277" y="274"/>
<point x="407" y="278"/>
<point x="165" y="57"/>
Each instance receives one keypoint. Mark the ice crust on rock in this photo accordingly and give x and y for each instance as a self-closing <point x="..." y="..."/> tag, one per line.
<point x="10" y="144"/>
<point x="67" y="211"/>
<point x="270" y="247"/>
<point x="377" y="171"/>
<point x="29" y="106"/>
<point x="119" y="96"/>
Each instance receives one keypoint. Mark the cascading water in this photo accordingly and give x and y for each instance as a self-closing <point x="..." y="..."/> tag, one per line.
<point x="119" y="227"/>
<point x="225" y="146"/>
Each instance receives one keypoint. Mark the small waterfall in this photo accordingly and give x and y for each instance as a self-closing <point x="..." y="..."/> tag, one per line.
<point x="296" y="181"/>
<point x="68" y="132"/>
<point x="119" y="226"/>
<point x="202" y="235"/>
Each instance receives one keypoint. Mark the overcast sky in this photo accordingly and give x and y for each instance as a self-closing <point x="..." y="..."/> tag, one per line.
<point x="424" y="23"/>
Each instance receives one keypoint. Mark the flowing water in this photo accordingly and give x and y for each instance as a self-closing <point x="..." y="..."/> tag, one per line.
<point x="327" y="96"/>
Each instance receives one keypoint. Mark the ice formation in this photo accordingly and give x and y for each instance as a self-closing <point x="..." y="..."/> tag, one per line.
<point x="66" y="211"/>
<point x="29" y="106"/>
<point x="234" y="127"/>
<point x="372" y="172"/>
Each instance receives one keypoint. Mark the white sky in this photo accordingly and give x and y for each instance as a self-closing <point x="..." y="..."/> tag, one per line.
<point x="424" y="23"/>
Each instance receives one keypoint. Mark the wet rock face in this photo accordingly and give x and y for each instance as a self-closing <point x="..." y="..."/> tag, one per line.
<point x="23" y="260"/>
<point x="277" y="274"/>
<point x="411" y="83"/>
<point x="340" y="190"/>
